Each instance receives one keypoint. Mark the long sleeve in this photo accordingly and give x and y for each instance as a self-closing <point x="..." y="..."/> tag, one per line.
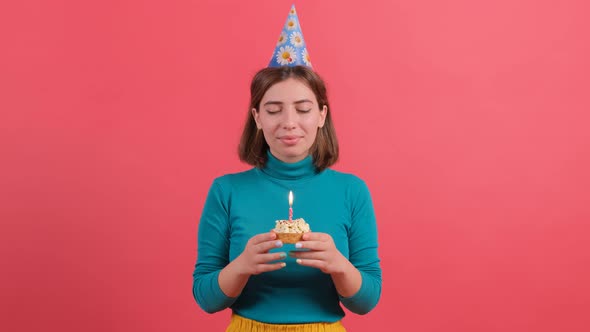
<point x="212" y="252"/>
<point x="363" y="250"/>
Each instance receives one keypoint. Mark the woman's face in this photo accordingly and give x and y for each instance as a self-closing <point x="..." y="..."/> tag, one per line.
<point x="289" y="118"/>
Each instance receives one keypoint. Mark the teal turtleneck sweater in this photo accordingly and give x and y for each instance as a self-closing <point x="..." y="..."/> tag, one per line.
<point x="242" y="205"/>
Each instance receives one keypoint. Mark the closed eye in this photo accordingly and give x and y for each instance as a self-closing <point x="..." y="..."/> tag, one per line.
<point x="304" y="111"/>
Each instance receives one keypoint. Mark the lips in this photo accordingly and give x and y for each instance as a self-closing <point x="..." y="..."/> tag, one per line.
<point x="290" y="139"/>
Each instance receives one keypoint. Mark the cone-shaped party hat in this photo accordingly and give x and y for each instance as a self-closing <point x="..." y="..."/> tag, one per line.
<point x="290" y="49"/>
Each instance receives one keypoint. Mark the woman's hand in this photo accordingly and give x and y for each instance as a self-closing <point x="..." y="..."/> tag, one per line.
<point x="255" y="258"/>
<point x="322" y="253"/>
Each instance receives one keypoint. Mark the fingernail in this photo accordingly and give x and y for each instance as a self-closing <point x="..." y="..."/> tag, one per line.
<point x="298" y="245"/>
<point x="279" y="243"/>
<point x="283" y="264"/>
<point x="282" y="255"/>
<point x="298" y="261"/>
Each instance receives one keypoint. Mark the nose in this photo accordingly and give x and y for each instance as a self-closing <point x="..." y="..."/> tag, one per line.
<point x="289" y="118"/>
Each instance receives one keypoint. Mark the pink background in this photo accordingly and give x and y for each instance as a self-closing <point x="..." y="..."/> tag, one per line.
<point x="468" y="120"/>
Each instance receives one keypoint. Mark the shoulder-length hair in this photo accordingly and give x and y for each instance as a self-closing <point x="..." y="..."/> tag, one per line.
<point x="253" y="146"/>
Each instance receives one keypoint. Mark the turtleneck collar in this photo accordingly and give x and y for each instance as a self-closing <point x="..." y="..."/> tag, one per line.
<point x="289" y="171"/>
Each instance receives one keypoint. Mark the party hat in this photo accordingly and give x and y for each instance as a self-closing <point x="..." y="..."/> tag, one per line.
<point x="290" y="49"/>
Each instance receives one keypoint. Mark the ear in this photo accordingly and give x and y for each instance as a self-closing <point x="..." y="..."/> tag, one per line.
<point x="323" y="114"/>
<point x="256" y="115"/>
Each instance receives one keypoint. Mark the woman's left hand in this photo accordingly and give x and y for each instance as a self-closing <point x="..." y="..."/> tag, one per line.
<point x="322" y="253"/>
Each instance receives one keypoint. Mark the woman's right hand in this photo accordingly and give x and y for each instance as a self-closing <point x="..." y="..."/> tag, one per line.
<point x="256" y="259"/>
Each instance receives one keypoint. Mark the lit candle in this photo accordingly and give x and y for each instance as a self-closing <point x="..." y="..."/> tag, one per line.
<point x="290" y="205"/>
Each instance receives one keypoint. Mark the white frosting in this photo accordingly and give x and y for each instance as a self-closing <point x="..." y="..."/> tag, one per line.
<point x="295" y="226"/>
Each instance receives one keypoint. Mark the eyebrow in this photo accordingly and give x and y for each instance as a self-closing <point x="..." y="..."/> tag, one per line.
<point x="272" y="102"/>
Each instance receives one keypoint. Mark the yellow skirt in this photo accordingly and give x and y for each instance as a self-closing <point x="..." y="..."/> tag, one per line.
<point x="241" y="324"/>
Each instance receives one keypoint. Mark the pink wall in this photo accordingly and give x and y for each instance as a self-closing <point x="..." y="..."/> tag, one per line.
<point x="468" y="120"/>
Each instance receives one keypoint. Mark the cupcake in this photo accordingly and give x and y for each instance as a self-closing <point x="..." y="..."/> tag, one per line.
<point x="291" y="231"/>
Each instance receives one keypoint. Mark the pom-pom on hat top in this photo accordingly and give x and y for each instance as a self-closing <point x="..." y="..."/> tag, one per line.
<point x="290" y="49"/>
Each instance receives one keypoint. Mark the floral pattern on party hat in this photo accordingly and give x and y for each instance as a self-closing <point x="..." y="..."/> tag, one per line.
<point x="290" y="49"/>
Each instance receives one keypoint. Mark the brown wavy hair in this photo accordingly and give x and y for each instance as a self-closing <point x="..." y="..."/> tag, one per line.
<point x="253" y="146"/>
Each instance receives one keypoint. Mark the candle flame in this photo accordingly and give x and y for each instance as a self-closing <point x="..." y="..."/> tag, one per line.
<point x="290" y="198"/>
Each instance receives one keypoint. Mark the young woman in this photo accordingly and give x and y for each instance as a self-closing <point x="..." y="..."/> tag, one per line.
<point x="290" y="140"/>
